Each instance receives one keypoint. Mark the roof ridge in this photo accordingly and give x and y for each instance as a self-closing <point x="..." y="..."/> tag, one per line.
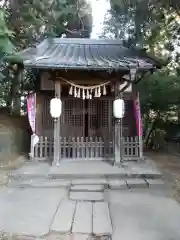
<point x="86" y="41"/>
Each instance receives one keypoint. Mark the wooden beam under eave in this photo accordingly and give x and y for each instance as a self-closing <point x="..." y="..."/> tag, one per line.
<point x="85" y="74"/>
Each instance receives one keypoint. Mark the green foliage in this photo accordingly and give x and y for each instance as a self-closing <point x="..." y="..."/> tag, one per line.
<point x="154" y="25"/>
<point x="6" y="45"/>
<point x="33" y="21"/>
<point x="160" y="102"/>
<point x="159" y="92"/>
<point x="24" y="24"/>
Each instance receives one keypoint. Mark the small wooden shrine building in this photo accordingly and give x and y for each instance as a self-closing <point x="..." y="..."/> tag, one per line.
<point x="87" y="75"/>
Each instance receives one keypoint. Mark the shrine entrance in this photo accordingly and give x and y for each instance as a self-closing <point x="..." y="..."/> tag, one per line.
<point x="87" y="128"/>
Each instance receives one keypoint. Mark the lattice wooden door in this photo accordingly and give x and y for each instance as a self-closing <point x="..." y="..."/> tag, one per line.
<point x="72" y="120"/>
<point x="100" y="124"/>
<point x="86" y="129"/>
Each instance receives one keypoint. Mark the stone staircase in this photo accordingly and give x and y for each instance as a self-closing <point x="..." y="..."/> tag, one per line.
<point x="85" y="211"/>
<point x="84" y="215"/>
<point x="83" y="177"/>
<point x="78" y="185"/>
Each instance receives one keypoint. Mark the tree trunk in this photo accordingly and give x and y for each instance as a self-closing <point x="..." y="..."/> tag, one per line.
<point x="178" y="113"/>
<point x="16" y="93"/>
<point x="152" y="128"/>
<point x="146" y="124"/>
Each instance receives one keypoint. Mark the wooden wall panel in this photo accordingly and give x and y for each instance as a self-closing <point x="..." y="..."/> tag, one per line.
<point x="47" y="120"/>
<point x="76" y="113"/>
<point x="47" y="82"/>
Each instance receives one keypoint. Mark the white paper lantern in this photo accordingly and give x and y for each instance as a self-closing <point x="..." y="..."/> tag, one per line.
<point x="118" y="108"/>
<point x="55" y="107"/>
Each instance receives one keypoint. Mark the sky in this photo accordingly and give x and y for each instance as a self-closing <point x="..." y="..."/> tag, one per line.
<point x="99" y="9"/>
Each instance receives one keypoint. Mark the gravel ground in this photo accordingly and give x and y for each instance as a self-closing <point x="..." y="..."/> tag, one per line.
<point x="169" y="165"/>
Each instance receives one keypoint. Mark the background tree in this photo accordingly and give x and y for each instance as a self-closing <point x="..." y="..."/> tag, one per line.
<point x="154" y="26"/>
<point x="6" y="47"/>
<point x="31" y="22"/>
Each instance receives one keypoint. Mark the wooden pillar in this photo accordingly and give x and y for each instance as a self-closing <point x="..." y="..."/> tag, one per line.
<point x="39" y="110"/>
<point x="57" y="142"/>
<point x="118" y="132"/>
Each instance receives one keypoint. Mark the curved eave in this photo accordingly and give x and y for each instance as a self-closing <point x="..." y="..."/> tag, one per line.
<point x="76" y="67"/>
<point x="91" y="68"/>
<point x="126" y="69"/>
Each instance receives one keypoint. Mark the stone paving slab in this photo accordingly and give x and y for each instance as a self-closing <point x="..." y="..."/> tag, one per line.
<point x="117" y="184"/>
<point x="83" y="218"/>
<point x="31" y="169"/>
<point x="101" y="219"/>
<point x="28" y="212"/>
<point x="89" y="188"/>
<point x="145" y="216"/>
<point x="91" y="181"/>
<point x="87" y="196"/>
<point x="62" y="222"/>
<point x="136" y="183"/>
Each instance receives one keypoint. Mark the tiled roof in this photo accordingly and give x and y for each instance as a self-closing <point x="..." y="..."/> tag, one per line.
<point x="67" y="53"/>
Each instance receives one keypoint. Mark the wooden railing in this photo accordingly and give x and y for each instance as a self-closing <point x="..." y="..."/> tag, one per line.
<point x="131" y="148"/>
<point x="86" y="148"/>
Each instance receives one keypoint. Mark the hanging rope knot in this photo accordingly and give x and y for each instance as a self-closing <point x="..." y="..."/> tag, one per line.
<point x="86" y="92"/>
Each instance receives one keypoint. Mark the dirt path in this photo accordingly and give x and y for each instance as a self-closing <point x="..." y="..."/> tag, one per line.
<point x="9" y="162"/>
<point x="169" y="165"/>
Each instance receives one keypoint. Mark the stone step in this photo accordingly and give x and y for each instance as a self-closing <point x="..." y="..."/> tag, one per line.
<point x="102" y="225"/>
<point x="39" y="183"/>
<point x="81" y="176"/>
<point x="117" y="184"/>
<point x="88" y="185"/>
<point x="90" y="181"/>
<point x="87" y="188"/>
<point x="124" y="173"/>
<point x="136" y="183"/>
<point x="86" y="196"/>
<point x="155" y="183"/>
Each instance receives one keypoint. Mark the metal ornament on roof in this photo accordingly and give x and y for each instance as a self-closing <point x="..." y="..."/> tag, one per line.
<point x="133" y="73"/>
